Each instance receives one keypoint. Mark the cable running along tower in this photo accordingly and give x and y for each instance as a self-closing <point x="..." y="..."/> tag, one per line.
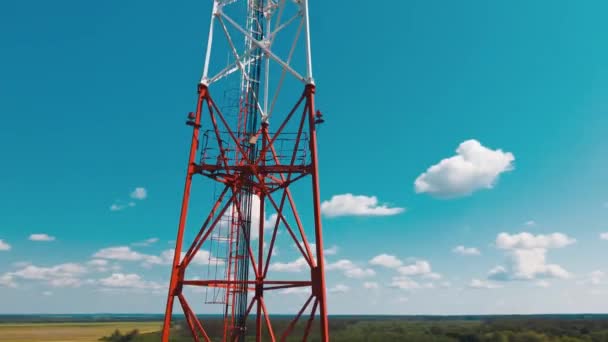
<point x="254" y="170"/>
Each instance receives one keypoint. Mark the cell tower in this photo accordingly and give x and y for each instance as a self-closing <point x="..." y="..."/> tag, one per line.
<point x="255" y="168"/>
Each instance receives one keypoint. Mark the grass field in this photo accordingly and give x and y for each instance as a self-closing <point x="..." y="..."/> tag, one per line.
<point x="68" y="332"/>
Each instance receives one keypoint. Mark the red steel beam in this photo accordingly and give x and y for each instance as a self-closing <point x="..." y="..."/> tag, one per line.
<point x="202" y="95"/>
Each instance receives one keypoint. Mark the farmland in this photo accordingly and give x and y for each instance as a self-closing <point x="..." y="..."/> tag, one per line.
<point x="69" y="331"/>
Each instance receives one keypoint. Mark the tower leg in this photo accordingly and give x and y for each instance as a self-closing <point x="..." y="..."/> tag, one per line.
<point x="175" y="284"/>
<point x="318" y="273"/>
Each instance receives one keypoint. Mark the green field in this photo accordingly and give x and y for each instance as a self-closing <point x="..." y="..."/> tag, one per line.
<point x="69" y="332"/>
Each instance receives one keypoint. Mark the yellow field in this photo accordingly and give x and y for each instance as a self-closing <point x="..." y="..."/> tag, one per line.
<point x="69" y="332"/>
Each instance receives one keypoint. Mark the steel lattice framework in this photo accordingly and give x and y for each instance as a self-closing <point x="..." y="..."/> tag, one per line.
<point x="253" y="164"/>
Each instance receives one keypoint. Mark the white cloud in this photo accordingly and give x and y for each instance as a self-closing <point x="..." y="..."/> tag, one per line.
<point x="420" y="267"/>
<point x="482" y="284"/>
<point x="528" y="241"/>
<point x="474" y="167"/>
<point x="358" y="272"/>
<point x="125" y="253"/>
<point x="98" y="262"/>
<point x="62" y="275"/>
<point x="603" y="236"/>
<point x="41" y="237"/>
<point x="116" y="207"/>
<point x="340" y="288"/>
<point x="139" y="193"/>
<point x="530" y="223"/>
<point x="47" y="293"/>
<point x="371" y="285"/>
<point x="270" y="221"/>
<point x="349" y="269"/>
<point x="462" y="250"/>
<point x="404" y="283"/>
<point x="102" y="265"/>
<point x="297" y="265"/>
<point x="297" y="290"/>
<point x="67" y="270"/>
<point x="593" y="278"/>
<point x="353" y="205"/>
<point x="221" y="230"/>
<point x="527" y="256"/>
<point x="432" y="276"/>
<point x="386" y="260"/>
<point x="333" y="250"/>
<point x="4" y="246"/>
<point x="7" y="280"/>
<point x="129" y="281"/>
<point x="146" y="242"/>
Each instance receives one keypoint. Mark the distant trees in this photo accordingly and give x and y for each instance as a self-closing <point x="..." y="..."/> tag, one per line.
<point x="118" y="337"/>
<point x="397" y="329"/>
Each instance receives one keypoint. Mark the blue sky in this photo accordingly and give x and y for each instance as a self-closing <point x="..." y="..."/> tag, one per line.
<point x="92" y="105"/>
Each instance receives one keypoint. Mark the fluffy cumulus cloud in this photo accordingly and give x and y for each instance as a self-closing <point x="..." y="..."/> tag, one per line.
<point x="350" y="269"/>
<point x="139" y="193"/>
<point x="404" y="283"/>
<point x="410" y="275"/>
<point x="527" y="256"/>
<point x="7" y="280"/>
<point x="297" y="265"/>
<point x="357" y="205"/>
<point x="420" y="267"/>
<point x="386" y="260"/>
<point x="333" y="250"/>
<point x="41" y="237"/>
<point x="125" y="253"/>
<point x="4" y="246"/>
<point x="62" y="275"/>
<point x="296" y="290"/>
<point x="222" y="228"/>
<point x="529" y="241"/>
<point x="603" y="236"/>
<point x="340" y="288"/>
<point x="482" y="284"/>
<point x="128" y="281"/>
<point x="102" y="265"/>
<point x="474" y="167"/>
<point x="347" y="267"/>
<point x="462" y="250"/>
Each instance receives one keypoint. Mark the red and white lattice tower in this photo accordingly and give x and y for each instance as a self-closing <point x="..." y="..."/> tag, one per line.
<point x="259" y="62"/>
